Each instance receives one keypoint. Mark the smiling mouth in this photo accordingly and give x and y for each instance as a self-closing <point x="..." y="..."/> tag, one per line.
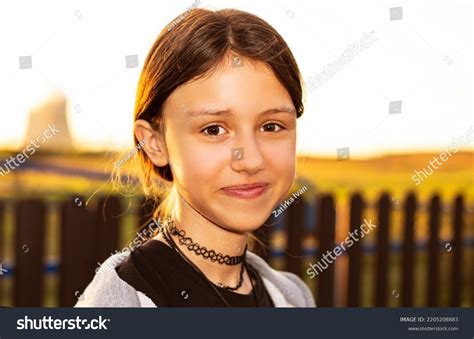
<point x="249" y="191"/>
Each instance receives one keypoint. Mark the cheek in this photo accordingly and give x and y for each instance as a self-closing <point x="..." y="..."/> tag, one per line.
<point x="281" y="163"/>
<point x="280" y="160"/>
<point x="196" y="165"/>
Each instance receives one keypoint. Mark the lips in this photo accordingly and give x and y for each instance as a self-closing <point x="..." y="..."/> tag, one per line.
<point x="247" y="191"/>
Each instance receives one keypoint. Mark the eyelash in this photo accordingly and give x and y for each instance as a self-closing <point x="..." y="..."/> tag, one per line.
<point x="215" y="125"/>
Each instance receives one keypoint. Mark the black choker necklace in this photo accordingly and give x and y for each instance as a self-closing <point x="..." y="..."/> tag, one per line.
<point x="167" y="237"/>
<point x="203" y="251"/>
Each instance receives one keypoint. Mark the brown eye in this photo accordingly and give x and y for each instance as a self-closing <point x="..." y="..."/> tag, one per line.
<point x="212" y="130"/>
<point x="272" y="127"/>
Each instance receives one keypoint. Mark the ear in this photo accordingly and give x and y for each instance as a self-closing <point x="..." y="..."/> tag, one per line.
<point x="154" y="143"/>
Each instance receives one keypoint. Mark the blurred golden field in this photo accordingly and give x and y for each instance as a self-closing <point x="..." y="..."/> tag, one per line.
<point x="390" y="173"/>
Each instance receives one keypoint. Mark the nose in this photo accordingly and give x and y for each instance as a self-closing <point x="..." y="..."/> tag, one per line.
<point x="246" y="155"/>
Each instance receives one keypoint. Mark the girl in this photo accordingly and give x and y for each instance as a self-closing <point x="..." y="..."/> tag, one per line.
<point x="215" y="115"/>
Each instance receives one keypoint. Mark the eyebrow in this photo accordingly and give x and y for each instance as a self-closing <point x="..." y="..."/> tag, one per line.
<point x="282" y="109"/>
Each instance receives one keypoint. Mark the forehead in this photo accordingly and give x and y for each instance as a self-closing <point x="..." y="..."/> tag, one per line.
<point x="242" y="85"/>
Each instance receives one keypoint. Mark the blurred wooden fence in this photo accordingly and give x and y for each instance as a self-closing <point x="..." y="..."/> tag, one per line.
<point x="89" y="236"/>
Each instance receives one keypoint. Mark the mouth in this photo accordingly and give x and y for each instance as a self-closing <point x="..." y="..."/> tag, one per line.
<point x="248" y="191"/>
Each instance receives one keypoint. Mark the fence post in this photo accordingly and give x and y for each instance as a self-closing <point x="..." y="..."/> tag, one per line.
<point x="108" y="218"/>
<point x="264" y="234"/>
<point x="326" y="227"/>
<point x="89" y="236"/>
<point x="433" y="251"/>
<point x="408" y="250"/>
<point x="384" y="208"/>
<point x="78" y="250"/>
<point x="355" y="251"/>
<point x="456" y="273"/>
<point x="294" y="233"/>
<point x="29" y="249"/>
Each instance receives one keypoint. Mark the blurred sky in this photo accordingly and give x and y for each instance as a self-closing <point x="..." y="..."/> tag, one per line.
<point x="425" y="60"/>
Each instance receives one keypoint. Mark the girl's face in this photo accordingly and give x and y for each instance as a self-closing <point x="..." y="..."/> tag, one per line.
<point x="236" y="127"/>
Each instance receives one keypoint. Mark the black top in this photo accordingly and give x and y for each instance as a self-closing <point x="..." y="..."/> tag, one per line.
<point x="169" y="281"/>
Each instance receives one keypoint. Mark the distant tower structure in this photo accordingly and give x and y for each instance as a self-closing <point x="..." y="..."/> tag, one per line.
<point x="51" y="112"/>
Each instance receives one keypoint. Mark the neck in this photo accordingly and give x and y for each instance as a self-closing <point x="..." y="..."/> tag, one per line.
<point x="213" y="237"/>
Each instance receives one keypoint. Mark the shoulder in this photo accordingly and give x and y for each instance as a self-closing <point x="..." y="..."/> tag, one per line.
<point x="107" y="289"/>
<point x="285" y="288"/>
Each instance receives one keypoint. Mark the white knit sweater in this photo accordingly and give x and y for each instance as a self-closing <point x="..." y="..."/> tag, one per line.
<point x="107" y="289"/>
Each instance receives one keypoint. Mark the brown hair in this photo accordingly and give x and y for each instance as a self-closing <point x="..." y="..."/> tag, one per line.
<point x="191" y="47"/>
